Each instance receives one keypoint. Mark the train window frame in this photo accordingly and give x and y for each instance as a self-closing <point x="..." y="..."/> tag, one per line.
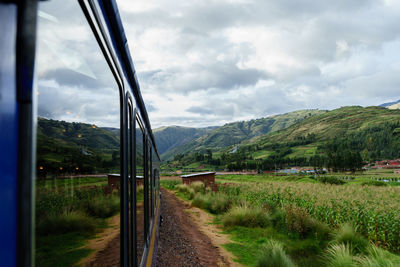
<point x="97" y="31"/>
<point x="106" y="27"/>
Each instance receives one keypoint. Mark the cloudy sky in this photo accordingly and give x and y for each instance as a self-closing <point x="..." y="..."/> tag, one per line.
<point x="204" y="63"/>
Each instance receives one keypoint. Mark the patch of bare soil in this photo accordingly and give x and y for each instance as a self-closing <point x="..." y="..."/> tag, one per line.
<point x="187" y="238"/>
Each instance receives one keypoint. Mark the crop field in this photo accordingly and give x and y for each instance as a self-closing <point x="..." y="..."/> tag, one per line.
<point x="307" y="221"/>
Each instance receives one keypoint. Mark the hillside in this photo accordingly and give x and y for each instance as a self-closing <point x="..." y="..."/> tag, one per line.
<point x="170" y="137"/>
<point x="236" y="132"/>
<point x="67" y="145"/>
<point x="345" y="135"/>
<point x="391" y="105"/>
<point x="333" y="124"/>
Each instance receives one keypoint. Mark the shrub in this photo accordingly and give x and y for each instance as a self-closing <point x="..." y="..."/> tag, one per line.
<point x="219" y="203"/>
<point x="201" y="201"/>
<point x="66" y="222"/>
<point x="331" y="180"/>
<point x="102" y="206"/>
<point x="273" y="255"/>
<point x="339" y="255"/>
<point x="198" y="187"/>
<point x="246" y="216"/>
<point x="375" y="183"/>
<point x="348" y="236"/>
<point x="183" y="188"/>
<point x="213" y="202"/>
<point x="299" y="221"/>
<point x="278" y="219"/>
<point x="191" y="193"/>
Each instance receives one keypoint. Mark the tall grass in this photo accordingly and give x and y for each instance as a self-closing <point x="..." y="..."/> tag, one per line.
<point x="339" y="255"/>
<point x="245" y="215"/>
<point x="273" y="255"/>
<point x="378" y="257"/>
<point x="59" y="212"/>
<point x="213" y="202"/>
<point x="66" y="222"/>
<point x="347" y="235"/>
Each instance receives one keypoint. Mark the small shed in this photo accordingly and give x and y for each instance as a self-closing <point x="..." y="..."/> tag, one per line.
<point x="208" y="178"/>
<point x="114" y="180"/>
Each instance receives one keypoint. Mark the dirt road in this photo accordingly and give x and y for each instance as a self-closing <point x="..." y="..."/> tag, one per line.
<point x="185" y="239"/>
<point x="181" y="241"/>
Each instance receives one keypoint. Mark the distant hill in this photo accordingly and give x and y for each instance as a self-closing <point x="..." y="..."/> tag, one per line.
<point x="170" y="137"/>
<point x="236" y="132"/>
<point x="73" y="145"/>
<point x="391" y="105"/>
<point x="329" y="138"/>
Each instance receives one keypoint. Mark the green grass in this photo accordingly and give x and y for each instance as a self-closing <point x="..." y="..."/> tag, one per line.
<point x="61" y="250"/>
<point x="67" y="217"/>
<point x="248" y="243"/>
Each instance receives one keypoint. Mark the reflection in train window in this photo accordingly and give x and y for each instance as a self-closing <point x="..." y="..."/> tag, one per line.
<point x="140" y="190"/>
<point x="78" y="142"/>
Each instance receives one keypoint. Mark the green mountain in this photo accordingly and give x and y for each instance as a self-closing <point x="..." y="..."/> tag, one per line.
<point x="237" y="132"/>
<point x="168" y="138"/>
<point x="63" y="147"/>
<point x="339" y="139"/>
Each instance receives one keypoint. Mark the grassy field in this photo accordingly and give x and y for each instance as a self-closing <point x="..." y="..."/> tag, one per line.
<point x="68" y="213"/>
<point x="335" y="220"/>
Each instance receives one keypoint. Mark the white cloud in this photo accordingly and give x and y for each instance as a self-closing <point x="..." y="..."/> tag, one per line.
<point x="209" y="62"/>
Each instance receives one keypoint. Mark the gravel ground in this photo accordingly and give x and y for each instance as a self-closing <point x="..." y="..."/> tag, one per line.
<point x="180" y="241"/>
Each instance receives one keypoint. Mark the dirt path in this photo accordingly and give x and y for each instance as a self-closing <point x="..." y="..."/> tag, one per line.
<point x="187" y="238"/>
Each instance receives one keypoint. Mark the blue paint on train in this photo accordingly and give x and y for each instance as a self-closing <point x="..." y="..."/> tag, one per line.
<point x="8" y="136"/>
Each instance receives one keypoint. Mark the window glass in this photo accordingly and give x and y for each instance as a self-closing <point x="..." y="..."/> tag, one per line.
<point x="140" y="191"/>
<point x="78" y="143"/>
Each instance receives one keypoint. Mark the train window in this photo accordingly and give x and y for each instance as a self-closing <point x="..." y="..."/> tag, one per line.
<point x="78" y="143"/>
<point x="140" y="219"/>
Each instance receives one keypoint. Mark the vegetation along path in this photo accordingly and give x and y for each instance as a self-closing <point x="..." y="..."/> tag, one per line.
<point x="186" y="238"/>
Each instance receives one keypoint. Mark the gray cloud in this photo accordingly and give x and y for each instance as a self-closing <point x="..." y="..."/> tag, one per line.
<point x="209" y="62"/>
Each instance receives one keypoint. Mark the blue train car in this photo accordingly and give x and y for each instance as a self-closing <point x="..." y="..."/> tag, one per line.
<point x="23" y="69"/>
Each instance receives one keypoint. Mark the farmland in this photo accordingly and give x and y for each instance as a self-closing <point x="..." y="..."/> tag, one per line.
<point x="307" y="220"/>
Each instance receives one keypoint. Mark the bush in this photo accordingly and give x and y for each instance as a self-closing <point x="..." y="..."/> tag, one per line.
<point x="183" y="188"/>
<point x="375" y="183"/>
<point x="103" y="206"/>
<point x="213" y="202"/>
<point x="300" y="222"/>
<point x="246" y="216"/>
<point x="191" y="193"/>
<point x="348" y="236"/>
<point x="219" y="203"/>
<point x="273" y="255"/>
<point x="198" y="187"/>
<point x="331" y="180"/>
<point x="339" y="255"/>
<point x="201" y="201"/>
<point x="66" y="222"/>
